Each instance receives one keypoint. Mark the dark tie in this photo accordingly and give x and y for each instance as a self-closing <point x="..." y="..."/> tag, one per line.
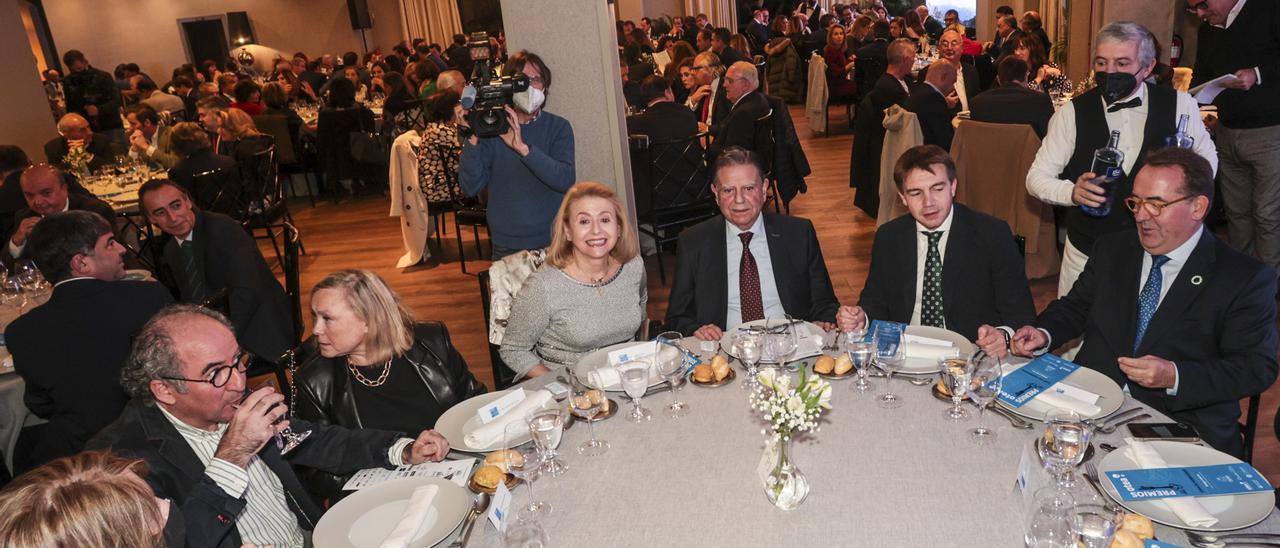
<point x="931" y="296"/>
<point x="1149" y="298"/>
<point x="706" y="108"/>
<point x="749" y="282"/>
<point x="1135" y="102"/>
<point x="191" y="273"/>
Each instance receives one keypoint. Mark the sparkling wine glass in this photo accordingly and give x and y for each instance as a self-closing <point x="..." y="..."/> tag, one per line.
<point x="748" y="347"/>
<point x="546" y="427"/>
<point x="956" y="378"/>
<point x="985" y="380"/>
<point x="673" y="367"/>
<point x="860" y="354"/>
<point x="1066" y="439"/>
<point x="526" y="463"/>
<point x="889" y="358"/>
<point x="635" y="381"/>
<point x="588" y="402"/>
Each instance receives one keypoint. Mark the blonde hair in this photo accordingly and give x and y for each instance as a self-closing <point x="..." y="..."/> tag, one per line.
<point x="560" y="253"/>
<point x="82" y="500"/>
<point x="375" y="303"/>
<point x="238" y="123"/>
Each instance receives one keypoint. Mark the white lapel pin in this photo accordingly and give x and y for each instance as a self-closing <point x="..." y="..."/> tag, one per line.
<point x="1197" y="279"/>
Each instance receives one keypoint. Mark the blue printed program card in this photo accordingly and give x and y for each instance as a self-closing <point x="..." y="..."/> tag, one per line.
<point x="1192" y="481"/>
<point x="1153" y="543"/>
<point x="890" y="335"/>
<point x="1026" y="383"/>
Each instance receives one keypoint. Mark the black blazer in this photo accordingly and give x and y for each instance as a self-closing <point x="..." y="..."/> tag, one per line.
<point x="75" y="202"/>
<point x="324" y="388"/>
<point x="864" y="156"/>
<point x="1013" y="103"/>
<point x="230" y="259"/>
<point x="730" y="55"/>
<point x="700" y="292"/>
<point x="972" y="83"/>
<point x="983" y="281"/>
<point x="934" y="115"/>
<point x="739" y="127"/>
<point x="76" y="387"/>
<point x="679" y="173"/>
<point x="104" y="153"/>
<point x="1217" y="323"/>
<point x="174" y="472"/>
<point x="720" y="105"/>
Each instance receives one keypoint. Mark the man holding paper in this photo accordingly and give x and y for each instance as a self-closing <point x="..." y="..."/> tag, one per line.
<point x="942" y="265"/>
<point x="1176" y="316"/>
<point x="1239" y="38"/>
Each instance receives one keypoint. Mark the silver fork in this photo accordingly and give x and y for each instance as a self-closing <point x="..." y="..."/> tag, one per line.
<point x="1111" y="428"/>
<point x="1205" y="540"/>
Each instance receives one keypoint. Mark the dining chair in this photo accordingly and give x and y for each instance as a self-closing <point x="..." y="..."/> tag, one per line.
<point x="503" y="376"/>
<point x="671" y="188"/>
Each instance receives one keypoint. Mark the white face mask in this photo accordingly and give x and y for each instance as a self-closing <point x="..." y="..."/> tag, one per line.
<point x="529" y="100"/>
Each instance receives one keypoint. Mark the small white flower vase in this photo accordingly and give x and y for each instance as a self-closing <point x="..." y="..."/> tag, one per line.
<point x="784" y="484"/>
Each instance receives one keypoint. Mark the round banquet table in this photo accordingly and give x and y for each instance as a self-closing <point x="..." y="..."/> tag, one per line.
<point x="879" y="477"/>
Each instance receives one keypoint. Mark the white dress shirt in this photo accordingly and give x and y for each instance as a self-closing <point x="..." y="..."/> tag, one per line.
<point x="922" y="254"/>
<point x="961" y="92"/>
<point x="1060" y="142"/>
<point x="1169" y="272"/>
<point x="768" y="287"/>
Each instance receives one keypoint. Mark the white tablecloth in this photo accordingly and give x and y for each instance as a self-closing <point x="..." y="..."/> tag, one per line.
<point x="13" y="413"/>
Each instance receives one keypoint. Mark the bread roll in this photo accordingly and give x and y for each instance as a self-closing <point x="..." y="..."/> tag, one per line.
<point x="720" y="366"/>
<point x="825" y="365"/>
<point x="489" y="476"/>
<point x="843" y="364"/>
<point x="1126" y="539"/>
<point x="703" y="373"/>
<point x="1139" y="525"/>
<point x="499" y="459"/>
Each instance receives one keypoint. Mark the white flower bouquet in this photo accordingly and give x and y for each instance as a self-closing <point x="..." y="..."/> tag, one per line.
<point x="791" y="408"/>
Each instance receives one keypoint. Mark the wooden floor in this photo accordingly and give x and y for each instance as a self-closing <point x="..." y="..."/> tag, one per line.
<point x="360" y="234"/>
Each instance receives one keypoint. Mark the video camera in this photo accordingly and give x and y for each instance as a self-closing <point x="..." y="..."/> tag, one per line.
<point x="487" y="93"/>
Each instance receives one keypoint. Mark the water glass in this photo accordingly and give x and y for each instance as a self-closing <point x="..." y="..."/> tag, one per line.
<point x="985" y="380"/>
<point x="1049" y="523"/>
<point x="635" y="381"/>
<point x="546" y="427"/>
<point x="779" y="341"/>
<point x="1094" y="525"/>
<point x="1066" y="440"/>
<point x="525" y="463"/>
<point x="588" y="402"/>
<point x="748" y="348"/>
<point x="524" y="532"/>
<point x="956" y="378"/>
<point x="673" y="367"/>
<point x="889" y="357"/>
<point x="860" y="354"/>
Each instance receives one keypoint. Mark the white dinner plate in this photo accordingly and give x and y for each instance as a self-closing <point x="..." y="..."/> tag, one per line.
<point x="1110" y="395"/>
<point x="461" y="419"/>
<point x="929" y="366"/>
<point x="600" y="358"/>
<point x="366" y="517"/>
<point x="1233" y="511"/>
<point x="813" y="333"/>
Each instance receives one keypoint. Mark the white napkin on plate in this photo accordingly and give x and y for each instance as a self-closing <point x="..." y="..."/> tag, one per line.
<point x="925" y="348"/>
<point x="604" y="377"/>
<point x="412" y="519"/>
<point x="1188" y="509"/>
<point x="1071" y="397"/>
<point x="491" y="433"/>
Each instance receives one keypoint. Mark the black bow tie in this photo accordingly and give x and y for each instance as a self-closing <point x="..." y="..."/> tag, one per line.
<point x="1135" y="102"/>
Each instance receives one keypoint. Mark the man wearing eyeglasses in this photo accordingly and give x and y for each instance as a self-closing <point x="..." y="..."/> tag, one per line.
<point x="967" y="82"/>
<point x="1182" y="321"/>
<point x="1239" y="38"/>
<point x="69" y="350"/>
<point x="708" y="101"/>
<point x="213" y="448"/>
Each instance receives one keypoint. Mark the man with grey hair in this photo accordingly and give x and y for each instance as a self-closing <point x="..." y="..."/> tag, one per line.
<point x="738" y="128"/>
<point x="75" y="133"/>
<point x="708" y="99"/>
<point x="451" y="80"/>
<point x="208" y="440"/>
<point x="1143" y="113"/>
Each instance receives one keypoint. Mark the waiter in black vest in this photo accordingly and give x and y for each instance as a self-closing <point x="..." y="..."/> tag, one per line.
<point x="1143" y="113"/>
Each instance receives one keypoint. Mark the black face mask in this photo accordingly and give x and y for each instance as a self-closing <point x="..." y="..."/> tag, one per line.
<point x="1115" y="85"/>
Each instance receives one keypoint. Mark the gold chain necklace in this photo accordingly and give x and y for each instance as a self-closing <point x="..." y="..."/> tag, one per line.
<point x="386" y="370"/>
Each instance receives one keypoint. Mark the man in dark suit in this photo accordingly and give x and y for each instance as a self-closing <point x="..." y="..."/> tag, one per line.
<point x="1178" y="317"/>
<point x="208" y="446"/>
<point x="677" y="156"/>
<point x="93" y="94"/>
<point x="76" y="387"/>
<point x="209" y="252"/>
<point x="892" y="88"/>
<point x="968" y="82"/>
<point x="1011" y="102"/>
<point x="747" y="265"/>
<point x="720" y="46"/>
<point x="74" y="133"/>
<point x="943" y="264"/>
<point x="708" y="101"/>
<point x="757" y="31"/>
<point x="1007" y="35"/>
<point x="46" y="192"/>
<point x="932" y="102"/>
<point x="873" y="58"/>
<point x="219" y="190"/>
<point x="932" y="26"/>
<point x="738" y="128"/>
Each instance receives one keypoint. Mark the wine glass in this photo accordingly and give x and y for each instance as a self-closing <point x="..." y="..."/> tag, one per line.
<point x="11" y="296"/>
<point x="889" y="357"/>
<point x="672" y="366"/>
<point x="546" y="427"/>
<point x="748" y="348"/>
<point x="985" y="380"/>
<point x="780" y="342"/>
<point x="28" y="275"/>
<point x="1066" y="439"/>
<point x="524" y="462"/>
<point x="588" y="402"/>
<point x="860" y="352"/>
<point x="1049" y="524"/>
<point x="1095" y="525"/>
<point x="525" y="533"/>
<point x="635" y="381"/>
<point x="956" y="378"/>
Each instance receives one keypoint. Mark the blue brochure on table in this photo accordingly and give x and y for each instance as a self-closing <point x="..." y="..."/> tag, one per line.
<point x="1026" y="383"/>
<point x="1191" y="481"/>
<point x="1153" y="543"/>
<point x="890" y="335"/>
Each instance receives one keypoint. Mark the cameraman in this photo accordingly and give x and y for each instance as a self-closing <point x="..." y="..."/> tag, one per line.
<point x="527" y="169"/>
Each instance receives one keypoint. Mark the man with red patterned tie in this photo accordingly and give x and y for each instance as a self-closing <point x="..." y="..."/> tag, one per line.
<point x="747" y="265"/>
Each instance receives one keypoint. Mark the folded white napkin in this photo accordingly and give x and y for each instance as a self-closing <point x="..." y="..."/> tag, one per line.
<point x="929" y="350"/>
<point x="1188" y="509"/>
<point x="412" y="519"/>
<point x="917" y="339"/>
<point x="488" y="434"/>
<point x="1071" y="397"/>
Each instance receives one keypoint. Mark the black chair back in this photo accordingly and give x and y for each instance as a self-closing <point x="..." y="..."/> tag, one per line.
<point x="671" y="188"/>
<point x="1250" y="426"/>
<point x="277" y="126"/>
<point x="503" y="376"/>
<point x="293" y="277"/>
<point x="762" y="142"/>
<point x="218" y="190"/>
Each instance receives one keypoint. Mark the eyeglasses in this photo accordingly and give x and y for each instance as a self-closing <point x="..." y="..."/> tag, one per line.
<point x="221" y="375"/>
<point x="1153" y="207"/>
<point x="702" y="67"/>
<point x="1196" y="8"/>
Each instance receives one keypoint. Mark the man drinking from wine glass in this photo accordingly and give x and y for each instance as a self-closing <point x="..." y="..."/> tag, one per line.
<point x="208" y="445"/>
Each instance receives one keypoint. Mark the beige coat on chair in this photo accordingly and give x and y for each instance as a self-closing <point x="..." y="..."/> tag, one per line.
<point x="407" y="201"/>
<point x="901" y="132"/>
<point x="815" y="104"/>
